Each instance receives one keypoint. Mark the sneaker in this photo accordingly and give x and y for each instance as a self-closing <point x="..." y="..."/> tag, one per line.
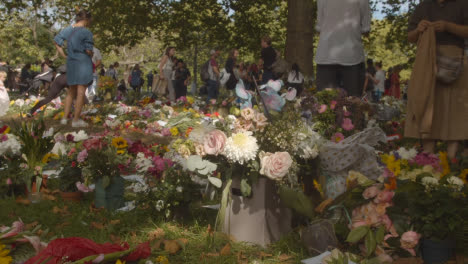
<point x="64" y="121"/>
<point x="79" y="123"/>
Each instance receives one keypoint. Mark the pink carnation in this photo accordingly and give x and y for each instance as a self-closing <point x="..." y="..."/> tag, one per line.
<point x="333" y="104"/>
<point x="82" y="156"/>
<point x="347" y="124"/>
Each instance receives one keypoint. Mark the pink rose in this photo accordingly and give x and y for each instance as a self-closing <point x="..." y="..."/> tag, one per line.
<point x="275" y="166"/>
<point x="371" y="192"/>
<point x="166" y="132"/>
<point x="387" y="222"/>
<point x="333" y="104"/>
<point x="409" y="240"/>
<point x="384" y="196"/>
<point x="260" y="120"/>
<point x="358" y="224"/>
<point x="322" y="109"/>
<point x="9" y="182"/>
<point x="248" y="113"/>
<point x="347" y="124"/>
<point x="214" y="142"/>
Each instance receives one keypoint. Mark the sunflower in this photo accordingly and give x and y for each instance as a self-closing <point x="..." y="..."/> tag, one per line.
<point x="48" y="157"/>
<point x="4" y="258"/>
<point x="162" y="260"/>
<point x="120" y="151"/>
<point x="119" y="143"/>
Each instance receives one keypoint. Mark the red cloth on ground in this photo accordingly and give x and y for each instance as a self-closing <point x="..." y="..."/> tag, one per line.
<point x="76" y="248"/>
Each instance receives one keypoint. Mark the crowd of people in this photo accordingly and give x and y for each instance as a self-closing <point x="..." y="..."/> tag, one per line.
<point x="437" y="110"/>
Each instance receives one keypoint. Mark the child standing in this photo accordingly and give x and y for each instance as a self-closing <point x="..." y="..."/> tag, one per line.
<point x="4" y="98"/>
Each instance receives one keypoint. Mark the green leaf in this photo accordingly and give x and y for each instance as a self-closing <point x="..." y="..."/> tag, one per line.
<point x="370" y="242"/>
<point x="357" y="234"/>
<point x="380" y="235"/>
<point x="297" y="201"/>
<point x="245" y="188"/>
<point x="215" y="181"/>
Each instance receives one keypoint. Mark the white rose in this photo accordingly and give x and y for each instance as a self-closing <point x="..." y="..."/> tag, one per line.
<point x="275" y="166"/>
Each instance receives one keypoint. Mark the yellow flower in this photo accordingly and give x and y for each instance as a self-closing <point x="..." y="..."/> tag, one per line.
<point x="59" y="116"/>
<point x="162" y="260"/>
<point x="96" y="120"/>
<point x="444" y="163"/>
<point x="7" y="130"/>
<point x="120" y="151"/>
<point x="174" y="131"/>
<point x="190" y="99"/>
<point x="318" y="187"/>
<point x="48" y="157"/>
<point x="464" y="175"/>
<point x="12" y="102"/>
<point x="119" y="143"/>
<point x="119" y="262"/>
<point x="4" y="258"/>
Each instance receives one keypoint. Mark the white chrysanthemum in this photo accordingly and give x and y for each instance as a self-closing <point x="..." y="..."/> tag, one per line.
<point x="407" y="154"/>
<point x="456" y="182"/>
<point x="241" y="147"/>
<point x="10" y="146"/>
<point x="430" y="182"/>
<point x="78" y="137"/>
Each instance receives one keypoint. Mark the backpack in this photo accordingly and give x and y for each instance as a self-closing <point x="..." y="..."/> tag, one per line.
<point x="205" y="72"/>
<point x="135" y="78"/>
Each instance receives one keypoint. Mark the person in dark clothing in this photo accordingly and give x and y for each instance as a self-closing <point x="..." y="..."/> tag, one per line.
<point x="268" y="58"/>
<point x="57" y="86"/>
<point x="229" y="66"/>
<point x="149" y="77"/>
<point x="135" y="79"/>
<point x="182" y="79"/>
<point x="369" y="83"/>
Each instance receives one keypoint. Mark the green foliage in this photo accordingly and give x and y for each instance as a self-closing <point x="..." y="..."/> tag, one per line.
<point x="297" y="201"/>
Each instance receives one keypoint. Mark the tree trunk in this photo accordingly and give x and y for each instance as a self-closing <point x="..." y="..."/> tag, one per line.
<point x="195" y="69"/>
<point x="300" y="34"/>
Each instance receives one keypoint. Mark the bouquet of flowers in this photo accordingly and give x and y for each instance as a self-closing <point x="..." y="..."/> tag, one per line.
<point x="107" y="87"/>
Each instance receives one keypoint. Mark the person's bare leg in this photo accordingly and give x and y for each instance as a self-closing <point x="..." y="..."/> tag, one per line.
<point x="429" y="146"/>
<point x="71" y="94"/>
<point x="452" y="148"/>
<point x="80" y="97"/>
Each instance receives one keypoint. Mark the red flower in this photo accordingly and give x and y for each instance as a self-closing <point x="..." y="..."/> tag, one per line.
<point x="3" y="129"/>
<point x="70" y="138"/>
<point x="73" y="164"/>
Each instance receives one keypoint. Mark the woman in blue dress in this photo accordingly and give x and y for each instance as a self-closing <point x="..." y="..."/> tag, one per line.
<point x="79" y="65"/>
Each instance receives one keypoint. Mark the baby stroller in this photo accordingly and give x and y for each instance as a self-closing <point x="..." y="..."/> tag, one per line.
<point x="33" y="86"/>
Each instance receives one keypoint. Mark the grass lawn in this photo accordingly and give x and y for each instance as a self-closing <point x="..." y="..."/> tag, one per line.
<point x="198" y="244"/>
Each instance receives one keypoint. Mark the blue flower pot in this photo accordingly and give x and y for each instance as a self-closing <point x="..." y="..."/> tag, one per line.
<point x="436" y="251"/>
<point x="112" y="197"/>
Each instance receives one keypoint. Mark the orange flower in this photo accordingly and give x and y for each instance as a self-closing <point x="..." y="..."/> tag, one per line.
<point x="392" y="184"/>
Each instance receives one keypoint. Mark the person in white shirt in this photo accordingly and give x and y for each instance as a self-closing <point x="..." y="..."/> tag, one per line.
<point x="340" y="53"/>
<point x="380" y="81"/>
<point x="296" y="79"/>
<point x="97" y="60"/>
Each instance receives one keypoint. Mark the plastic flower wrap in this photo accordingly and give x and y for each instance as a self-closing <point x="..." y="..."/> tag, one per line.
<point x="9" y="144"/>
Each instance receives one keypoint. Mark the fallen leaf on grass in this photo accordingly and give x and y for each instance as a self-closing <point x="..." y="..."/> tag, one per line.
<point x="171" y="246"/>
<point x="62" y="211"/>
<point x="284" y="257"/>
<point x="156" y="246"/>
<point x="115" y="222"/>
<point x="156" y="234"/>
<point x="97" y="225"/>
<point x="264" y="255"/>
<point x="48" y="197"/>
<point x="31" y="225"/>
<point x="21" y="200"/>
<point x="115" y="239"/>
<point x="183" y="241"/>
<point x="226" y="251"/>
<point x="63" y="224"/>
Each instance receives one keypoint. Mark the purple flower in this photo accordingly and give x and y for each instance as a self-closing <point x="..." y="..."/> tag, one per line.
<point x="3" y="138"/>
<point x="82" y="156"/>
<point x="70" y="138"/>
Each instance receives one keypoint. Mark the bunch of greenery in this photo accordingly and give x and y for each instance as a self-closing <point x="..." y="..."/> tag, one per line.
<point x="437" y="212"/>
<point x="36" y="143"/>
<point x="102" y="163"/>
